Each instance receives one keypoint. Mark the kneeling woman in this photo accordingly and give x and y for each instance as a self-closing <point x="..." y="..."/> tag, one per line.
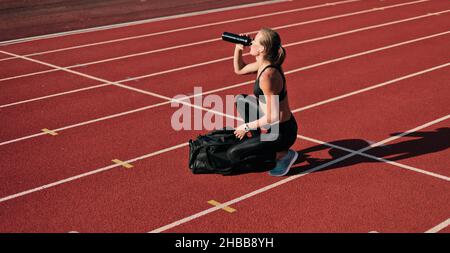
<point x="270" y="81"/>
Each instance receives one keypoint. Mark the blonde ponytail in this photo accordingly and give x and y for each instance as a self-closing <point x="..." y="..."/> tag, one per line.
<point x="280" y="57"/>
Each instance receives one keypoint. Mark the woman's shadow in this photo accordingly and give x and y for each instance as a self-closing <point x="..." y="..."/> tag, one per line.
<point x="423" y="143"/>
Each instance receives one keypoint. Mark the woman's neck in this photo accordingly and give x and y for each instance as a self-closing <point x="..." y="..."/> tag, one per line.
<point x="261" y="61"/>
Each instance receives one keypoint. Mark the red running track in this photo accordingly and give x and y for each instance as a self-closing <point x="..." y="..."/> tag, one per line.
<point x="160" y="190"/>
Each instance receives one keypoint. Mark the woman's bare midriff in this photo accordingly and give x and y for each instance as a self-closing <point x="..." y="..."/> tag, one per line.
<point x="285" y="111"/>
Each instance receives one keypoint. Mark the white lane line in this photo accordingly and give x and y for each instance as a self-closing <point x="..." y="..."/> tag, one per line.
<point x="211" y="40"/>
<point x="88" y="122"/>
<point x="372" y="87"/>
<point x="439" y="227"/>
<point x="54" y="95"/>
<point x="370" y="27"/>
<point x="176" y="147"/>
<point x="188" y="28"/>
<point x="234" y="86"/>
<point x="89" y="173"/>
<point x="371" y="51"/>
<point x="213" y="61"/>
<point x="100" y="28"/>
<point x="86" y="75"/>
<point x="428" y="173"/>
<point x="288" y="179"/>
<point x="27" y="75"/>
<point x="434" y="229"/>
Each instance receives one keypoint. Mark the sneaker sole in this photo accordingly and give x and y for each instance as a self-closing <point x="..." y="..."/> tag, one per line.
<point x="289" y="168"/>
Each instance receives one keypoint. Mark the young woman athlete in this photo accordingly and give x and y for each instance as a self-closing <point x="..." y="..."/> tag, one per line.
<point x="270" y="101"/>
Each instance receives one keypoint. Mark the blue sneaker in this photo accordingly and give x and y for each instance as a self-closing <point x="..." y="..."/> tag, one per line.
<point x="284" y="164"/>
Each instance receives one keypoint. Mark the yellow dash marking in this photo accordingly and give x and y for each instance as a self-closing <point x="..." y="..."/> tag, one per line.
<point x="124" y="164"/>
<point x="226" y="208"/>
<point x="53" y="133"/>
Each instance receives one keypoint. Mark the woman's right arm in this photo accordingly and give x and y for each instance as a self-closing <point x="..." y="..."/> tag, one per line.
<point x="240" y="67"/>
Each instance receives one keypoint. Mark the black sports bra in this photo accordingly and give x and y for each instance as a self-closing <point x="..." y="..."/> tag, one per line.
<point x="260" y="94"/>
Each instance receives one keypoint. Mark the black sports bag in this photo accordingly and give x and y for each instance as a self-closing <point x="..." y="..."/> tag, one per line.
<point x="208" y="153"/>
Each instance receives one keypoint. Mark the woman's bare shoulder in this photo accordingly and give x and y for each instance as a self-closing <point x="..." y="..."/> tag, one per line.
<point x="271" y="74"/>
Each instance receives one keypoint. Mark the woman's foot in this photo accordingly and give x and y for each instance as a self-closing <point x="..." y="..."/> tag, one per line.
<point x="284" y="164"/>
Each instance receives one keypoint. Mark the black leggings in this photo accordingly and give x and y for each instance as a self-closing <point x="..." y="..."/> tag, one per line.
<point x="256" y="148"/>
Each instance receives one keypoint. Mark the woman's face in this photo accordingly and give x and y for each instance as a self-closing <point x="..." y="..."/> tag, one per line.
<point x="256" y="48"/>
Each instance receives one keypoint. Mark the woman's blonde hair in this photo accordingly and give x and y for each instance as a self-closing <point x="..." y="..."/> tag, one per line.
<point x="271" y="41"/>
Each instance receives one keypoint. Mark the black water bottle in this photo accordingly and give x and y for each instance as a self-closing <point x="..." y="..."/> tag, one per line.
<point x="237" y="39"/>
